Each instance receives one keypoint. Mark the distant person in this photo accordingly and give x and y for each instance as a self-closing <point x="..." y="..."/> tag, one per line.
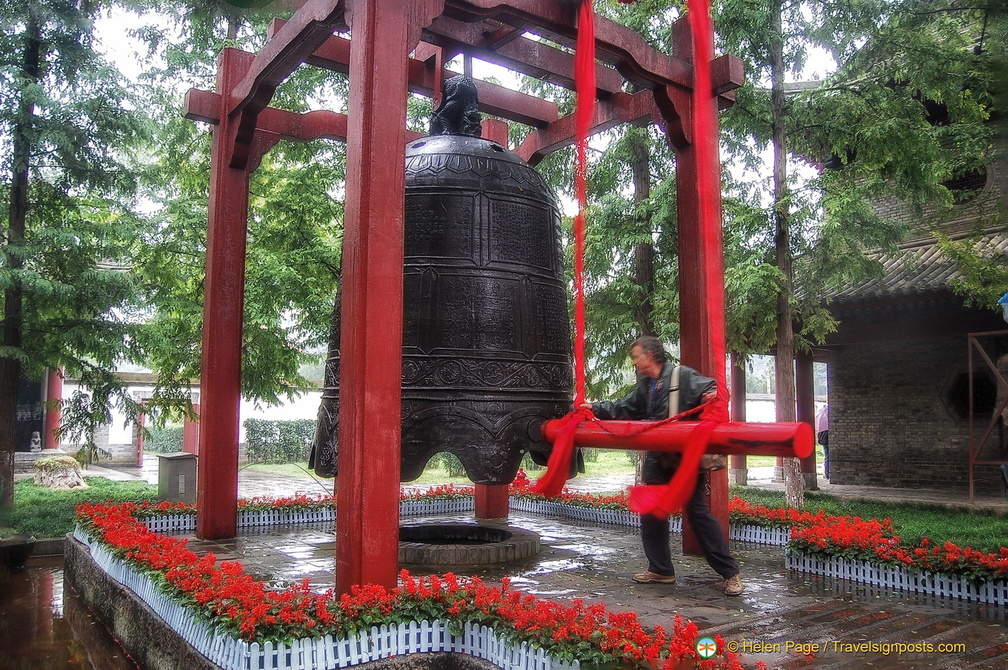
<point x="650" y="401"/>
<point x="822" y="435"/>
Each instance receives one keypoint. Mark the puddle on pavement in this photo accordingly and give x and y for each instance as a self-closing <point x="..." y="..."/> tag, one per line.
<point x="44" y="627"/>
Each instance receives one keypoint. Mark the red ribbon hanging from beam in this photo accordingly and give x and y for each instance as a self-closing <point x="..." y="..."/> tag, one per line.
<point x="584" y="84"/>
<point x="560" y="458"/>
<point x="667" y="499"/>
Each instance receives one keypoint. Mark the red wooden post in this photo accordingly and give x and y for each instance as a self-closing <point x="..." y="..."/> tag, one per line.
<point x="491" y="501"/>
<point x="53" y="414"/>
<point x="738" y="472"/>
<point x="367" y="518"/>
<point x="224" y="298"/>
<point x="805" y="404"/>
<point x="701" y="274"/>
<point x="496" y="130"/>
<point x="191" y="431"/>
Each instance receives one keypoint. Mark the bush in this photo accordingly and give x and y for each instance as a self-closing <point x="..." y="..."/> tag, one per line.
<point x="167" y="440"/>
<point x="278" y="441"/>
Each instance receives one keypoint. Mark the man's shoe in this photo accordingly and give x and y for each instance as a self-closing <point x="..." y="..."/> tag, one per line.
<point x="733" y="585"/>
<point x="653" y="578"/>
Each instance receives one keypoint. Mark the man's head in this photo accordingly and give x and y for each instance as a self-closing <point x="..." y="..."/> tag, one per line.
<point x="648" y="355"/>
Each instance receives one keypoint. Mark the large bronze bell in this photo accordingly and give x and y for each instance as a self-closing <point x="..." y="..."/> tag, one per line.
<point x="486" y="335"/>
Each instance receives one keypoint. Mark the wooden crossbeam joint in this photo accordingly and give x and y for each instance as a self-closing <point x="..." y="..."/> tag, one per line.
<point x="303" y="33"/>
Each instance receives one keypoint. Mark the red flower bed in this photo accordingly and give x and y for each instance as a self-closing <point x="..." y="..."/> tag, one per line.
<point x="235" y="602"/>
<point x="814" y="533"/>
<point x="874" y="541"/>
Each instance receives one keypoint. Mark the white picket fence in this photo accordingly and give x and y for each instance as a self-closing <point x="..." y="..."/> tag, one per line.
<point x="581" y="513"/>
<point x="324" y="653"/>
<point x="899" y="578"/>
<point x="184" y="523"/>
<point x="742" y="533"/>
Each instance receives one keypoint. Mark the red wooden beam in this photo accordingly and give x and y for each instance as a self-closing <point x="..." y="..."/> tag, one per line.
<point x="622" y="48"/>
<point x="334" y="55"/>
<point x="749" y="439"/>
<point x="321" y="124"/>
<point x="521" y="54"/>
<point x="620" y="108"/>
<point x="307" y="29"/>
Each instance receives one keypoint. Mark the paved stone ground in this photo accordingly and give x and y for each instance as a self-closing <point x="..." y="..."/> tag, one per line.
<point x="779" y="610"/>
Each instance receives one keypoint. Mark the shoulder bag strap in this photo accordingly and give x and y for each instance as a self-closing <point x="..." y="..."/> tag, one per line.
<point x="673" y="394"/>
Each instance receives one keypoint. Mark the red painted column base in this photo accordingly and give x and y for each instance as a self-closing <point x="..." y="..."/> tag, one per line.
<point x="491" y="501"/>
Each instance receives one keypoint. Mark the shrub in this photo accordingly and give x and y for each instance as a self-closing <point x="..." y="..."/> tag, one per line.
<point x="278" y="441"/>
<point x="167" y="440"/>
<point x="450" y="463"/>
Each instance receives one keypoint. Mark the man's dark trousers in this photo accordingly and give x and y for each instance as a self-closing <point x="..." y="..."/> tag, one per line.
<point x="655" y="536"/>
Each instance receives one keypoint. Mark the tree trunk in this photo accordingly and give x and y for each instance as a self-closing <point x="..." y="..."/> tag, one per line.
<point x="10" y="367"/>
<point x="794" y="490"/>
<point x="640" y="167"/>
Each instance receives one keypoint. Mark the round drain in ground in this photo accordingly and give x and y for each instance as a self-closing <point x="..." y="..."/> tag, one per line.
<point x="464" y="544"/>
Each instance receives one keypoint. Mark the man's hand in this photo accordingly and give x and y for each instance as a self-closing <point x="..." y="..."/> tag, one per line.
<point x="585" y="405"/>
<point x="710" y="395"/>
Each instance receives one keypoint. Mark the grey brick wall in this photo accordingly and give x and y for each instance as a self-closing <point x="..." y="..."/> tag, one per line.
<point x="890" y="422"/>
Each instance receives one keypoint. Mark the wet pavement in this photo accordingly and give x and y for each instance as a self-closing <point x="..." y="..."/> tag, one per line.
<point x="45" y="626"/>
<point x="779" y="612"/>
<point x="778" y="617"/>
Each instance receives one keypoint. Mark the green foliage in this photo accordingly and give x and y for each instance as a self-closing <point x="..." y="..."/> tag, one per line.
<point x="450" y="463"/>
<point x="44" y="512"/>
<point x="70" y="127"/>
<point x="278" y="441"/>
<point x="163" y="440"/>
<point x="983" y="268"/>
<point x="54" y="463"/>
<point x="528" y="465"/>
<point x="295" y="220"/>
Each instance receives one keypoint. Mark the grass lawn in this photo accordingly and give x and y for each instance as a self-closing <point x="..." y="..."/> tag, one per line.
<point x="44" y="512"/>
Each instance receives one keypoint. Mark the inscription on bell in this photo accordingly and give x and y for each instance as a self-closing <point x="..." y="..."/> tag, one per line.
<point x="513" y="225"/>
<point x="434" y="228"/>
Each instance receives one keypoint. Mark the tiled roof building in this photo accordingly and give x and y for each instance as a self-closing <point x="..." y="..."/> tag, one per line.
<point x="899" y="364"/>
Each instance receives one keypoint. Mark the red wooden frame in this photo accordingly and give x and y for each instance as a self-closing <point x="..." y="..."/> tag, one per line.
<point x="384" y="33"/>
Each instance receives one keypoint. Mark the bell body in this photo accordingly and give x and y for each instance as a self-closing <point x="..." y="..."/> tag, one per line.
<point x="486" y="335"/>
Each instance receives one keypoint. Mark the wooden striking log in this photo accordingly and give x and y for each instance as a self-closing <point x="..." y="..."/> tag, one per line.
<point x="753" y="439"/>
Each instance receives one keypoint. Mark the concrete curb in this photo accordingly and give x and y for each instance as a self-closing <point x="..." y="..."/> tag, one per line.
<point x="49" y="546"/>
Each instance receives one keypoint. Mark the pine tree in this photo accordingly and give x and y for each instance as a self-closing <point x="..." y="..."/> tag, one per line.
<point x="68" y="229"/>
